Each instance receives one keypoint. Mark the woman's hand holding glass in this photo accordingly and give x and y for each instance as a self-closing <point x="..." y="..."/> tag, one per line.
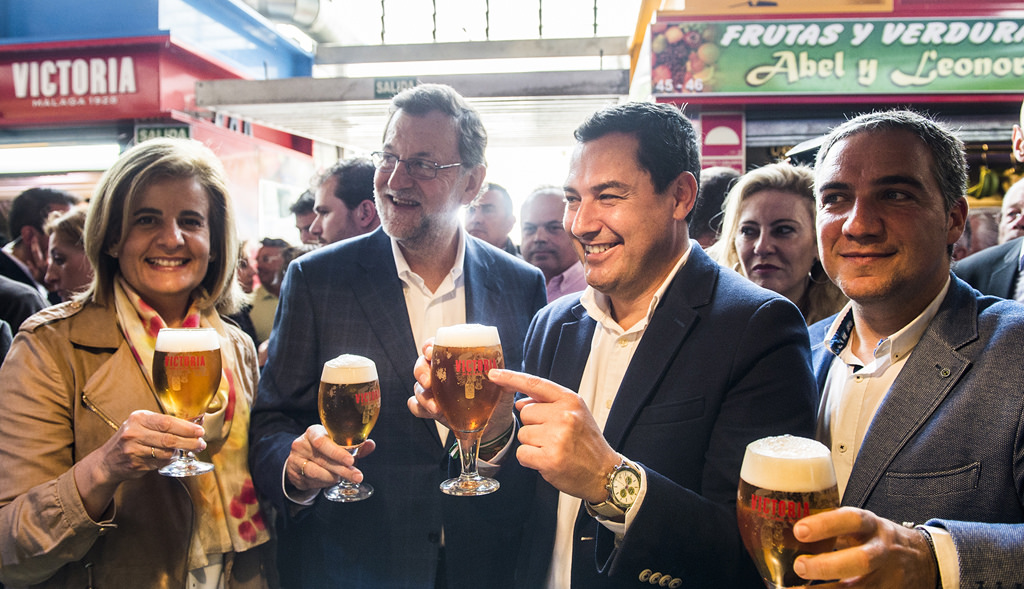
<point x="316" y="462"/>
<point x="145" y="442"/>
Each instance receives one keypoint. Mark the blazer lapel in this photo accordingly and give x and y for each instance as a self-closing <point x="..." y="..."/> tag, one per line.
<point x="672" y="321"/>
<point x="1002" y="278"/>
<point x="931" y="371"/>
<point x="573" y="349"/>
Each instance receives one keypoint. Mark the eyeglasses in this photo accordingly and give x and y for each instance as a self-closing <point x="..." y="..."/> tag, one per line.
<point x="417" y="168"/>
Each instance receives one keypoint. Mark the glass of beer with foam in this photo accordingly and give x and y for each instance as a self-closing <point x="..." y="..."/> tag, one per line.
<point x="186" y="376"/>
<point x="349" y="403"/>
<point x="783" y="479"/>
<point x="461" y="358"/>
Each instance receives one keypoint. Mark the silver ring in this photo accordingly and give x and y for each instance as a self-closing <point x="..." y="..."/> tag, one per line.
<point x="302" y="469"/>
<point x="152" y="451"/>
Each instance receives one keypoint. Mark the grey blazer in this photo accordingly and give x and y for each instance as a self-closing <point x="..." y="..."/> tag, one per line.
<point x="946" y="447"/>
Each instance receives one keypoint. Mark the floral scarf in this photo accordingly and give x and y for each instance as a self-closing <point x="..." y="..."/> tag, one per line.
<point x="227" y="515"/>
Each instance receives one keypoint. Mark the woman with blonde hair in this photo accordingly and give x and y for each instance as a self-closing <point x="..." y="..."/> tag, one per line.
<point x="83" y="432"/>
<point x="768" y="235"/>
<point x="68" y="271"/>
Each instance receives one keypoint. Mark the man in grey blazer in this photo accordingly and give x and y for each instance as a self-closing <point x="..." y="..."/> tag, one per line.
<point x="921" y="377"/>
<point x="382" y="295"/>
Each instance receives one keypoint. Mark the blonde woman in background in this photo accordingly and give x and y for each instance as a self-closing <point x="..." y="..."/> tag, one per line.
<point x="68" y="271"/>
<point x="768" y="235"/>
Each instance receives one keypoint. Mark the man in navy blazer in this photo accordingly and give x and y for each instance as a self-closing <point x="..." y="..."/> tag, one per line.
<point x="381" y="295"/>
<point x="678" y="364"/>
<point x="921" y="376"/>
<point x="996" y="270"/>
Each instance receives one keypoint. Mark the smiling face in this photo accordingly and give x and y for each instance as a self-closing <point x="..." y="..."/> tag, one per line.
<point x="775" y="241"/>
<point x="167" y="249"/>
<point x="882" y="227"/>
<point x="628" y="235"/>
<point x="69" y="270"/>
<point x="422" y="214"/>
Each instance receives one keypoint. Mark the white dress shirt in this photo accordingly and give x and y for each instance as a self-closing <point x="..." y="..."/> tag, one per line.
<point x="854" y="390"/>
<point x="611" y="351"/>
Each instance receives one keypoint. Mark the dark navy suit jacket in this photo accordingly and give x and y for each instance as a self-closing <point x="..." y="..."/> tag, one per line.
<point x="723" y="362"/>
<point x="993" y="271"/>
<point x="946" y="446"/>
<point x="347" y="298"/>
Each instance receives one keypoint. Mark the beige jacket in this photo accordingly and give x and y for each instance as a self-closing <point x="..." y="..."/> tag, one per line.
<point x="67" y="384"/>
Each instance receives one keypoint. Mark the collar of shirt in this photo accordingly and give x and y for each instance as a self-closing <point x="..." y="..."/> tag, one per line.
<point x="891" y="349"/>
<point x="599" y="306"/>
<point x="1020" y="256"/>
<point x="573" y="279"/>
<point x="8" y="250"/>
<point x="429" y="310"/>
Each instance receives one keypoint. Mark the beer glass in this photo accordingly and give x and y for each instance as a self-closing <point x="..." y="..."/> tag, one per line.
<point x="349" y="403"/>
<point x="462" y="356"/>
<point x="783" y="479"/>
<point x="186" y="376"/>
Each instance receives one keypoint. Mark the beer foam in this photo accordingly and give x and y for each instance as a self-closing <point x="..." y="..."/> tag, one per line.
<point x="468" y="335"/>
<point x="789" y="464"/>
<point x="349" y="369"/>
<point x="195" y="339"/>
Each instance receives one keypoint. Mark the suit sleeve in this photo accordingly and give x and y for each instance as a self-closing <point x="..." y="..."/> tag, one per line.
<point x="286" y="403"/>
<point x="681" y="531"/>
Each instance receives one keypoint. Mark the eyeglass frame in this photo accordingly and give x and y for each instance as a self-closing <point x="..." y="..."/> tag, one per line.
<point x="380" y="158"/>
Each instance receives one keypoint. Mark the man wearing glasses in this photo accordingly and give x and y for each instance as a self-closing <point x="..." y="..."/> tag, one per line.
<point x="382" y="295"/>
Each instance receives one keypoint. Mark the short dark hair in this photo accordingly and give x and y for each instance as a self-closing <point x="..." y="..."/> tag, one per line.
<point x="715" y="183"/>
<point x="947" y="150"/>
<point x="427" y="98"/>
<point x="355" y="180"/>
<point x="303" y="205"/>
<point x="31" y="208"/>
<point x="668" y="143"/>
<point x="274" y="242"/>
<point x="506" y="200"/>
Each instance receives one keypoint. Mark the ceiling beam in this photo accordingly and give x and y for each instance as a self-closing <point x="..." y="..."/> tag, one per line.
<point x="585" y="47"/>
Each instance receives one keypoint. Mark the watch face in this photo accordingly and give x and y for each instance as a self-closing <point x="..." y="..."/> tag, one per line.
<point x="625" y="486"/>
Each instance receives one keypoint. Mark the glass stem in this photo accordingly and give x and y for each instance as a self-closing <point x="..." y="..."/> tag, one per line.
<point x="468" y="450"/>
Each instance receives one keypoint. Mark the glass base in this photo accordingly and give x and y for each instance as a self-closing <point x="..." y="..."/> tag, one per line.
<point x="185" y="468"/>
<point x="348" y="493"/>
<point x="469" y="486"/>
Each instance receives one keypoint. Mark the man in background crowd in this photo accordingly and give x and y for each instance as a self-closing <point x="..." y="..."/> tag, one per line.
<point x="706" y="221"/>
<point x="996" y="270"/>
<point x="302" y="208"/>
<point x="344" y="205"/>
<point x="547" y="246"/>
<point x="25" y="258"/>
<point x="269" y="264"/>
<point x="490" y="218"/>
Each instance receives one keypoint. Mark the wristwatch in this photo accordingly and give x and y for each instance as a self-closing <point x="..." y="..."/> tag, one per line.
<point x="623" y="488"/>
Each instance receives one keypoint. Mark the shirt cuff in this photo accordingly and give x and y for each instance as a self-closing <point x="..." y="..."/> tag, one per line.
<point x="298" y="497"/>
<point x="489" y="468"/>
<point x="946" y="557"/>
<point x="620" y="528"/>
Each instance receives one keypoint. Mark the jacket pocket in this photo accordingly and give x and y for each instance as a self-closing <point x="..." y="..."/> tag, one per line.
<point x="672" y="412"/>
<point x="929" y="484"/>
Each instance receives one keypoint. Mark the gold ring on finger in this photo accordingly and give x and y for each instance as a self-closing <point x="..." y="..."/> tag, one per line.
<point x="152" y="451"/>
<point x="302" y="469"/>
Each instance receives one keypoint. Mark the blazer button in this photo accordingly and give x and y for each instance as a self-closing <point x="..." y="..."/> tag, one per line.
<point x="676" y="583"/>
<point x="655" y="577"/>
<point x="644" y="575"/>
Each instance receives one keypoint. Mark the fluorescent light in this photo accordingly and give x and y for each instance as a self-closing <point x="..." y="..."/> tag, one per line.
<point x="58" y="158"/>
